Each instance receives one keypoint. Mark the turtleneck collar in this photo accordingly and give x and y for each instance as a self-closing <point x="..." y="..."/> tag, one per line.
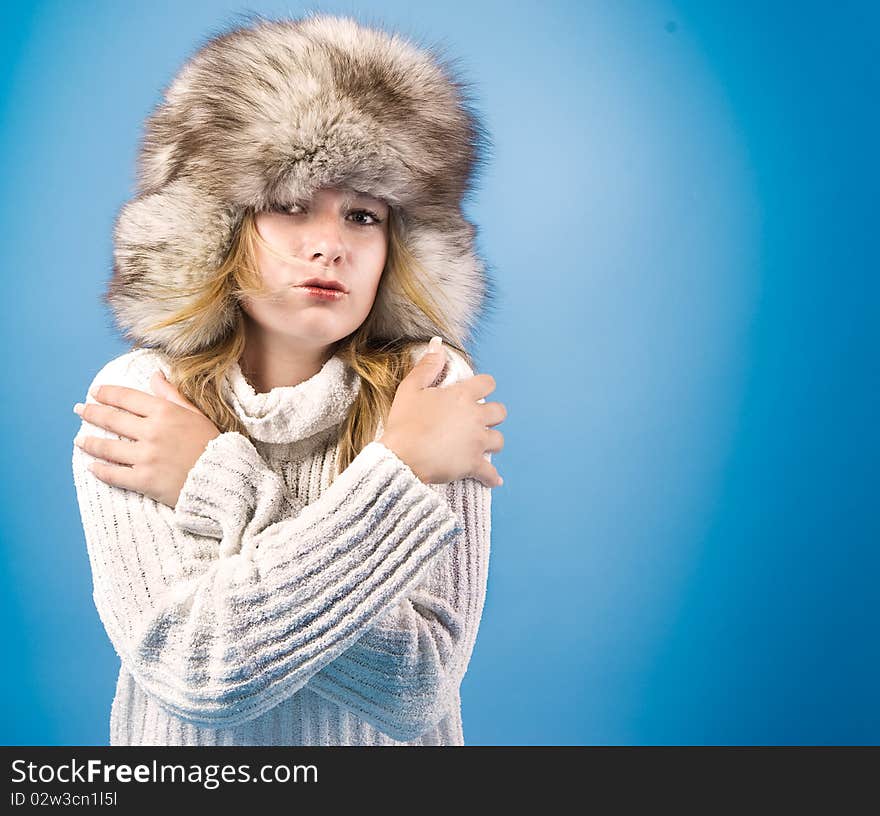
<point x="292" y="412"/>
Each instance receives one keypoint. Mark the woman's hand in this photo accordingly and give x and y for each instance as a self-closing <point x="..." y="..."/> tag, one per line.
<point x="167" y="432"/>
<point x="443" y="433"/>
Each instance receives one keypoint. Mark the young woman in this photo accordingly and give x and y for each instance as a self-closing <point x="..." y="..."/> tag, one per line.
<point x="288" y="526"/>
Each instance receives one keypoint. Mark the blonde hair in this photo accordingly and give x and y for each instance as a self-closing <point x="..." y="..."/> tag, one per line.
<point x="381" y="365"/>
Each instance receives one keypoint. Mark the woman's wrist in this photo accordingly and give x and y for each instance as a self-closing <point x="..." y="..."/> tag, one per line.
<point x="400" y="451"/>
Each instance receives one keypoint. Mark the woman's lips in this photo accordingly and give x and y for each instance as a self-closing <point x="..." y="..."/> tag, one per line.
<point x="322" y="294"/>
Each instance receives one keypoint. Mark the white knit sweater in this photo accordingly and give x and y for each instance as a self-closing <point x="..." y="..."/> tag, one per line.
<point x="270" y="607"/>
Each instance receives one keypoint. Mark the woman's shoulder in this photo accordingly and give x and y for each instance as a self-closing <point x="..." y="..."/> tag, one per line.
<point x="133" y="369"/>
<point x="455" y="369"/>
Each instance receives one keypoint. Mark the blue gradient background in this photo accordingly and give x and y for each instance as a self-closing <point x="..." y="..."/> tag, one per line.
<point x="680" y="212"/>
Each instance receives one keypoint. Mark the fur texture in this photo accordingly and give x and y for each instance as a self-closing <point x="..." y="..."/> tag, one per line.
<point x="266" y="113"/>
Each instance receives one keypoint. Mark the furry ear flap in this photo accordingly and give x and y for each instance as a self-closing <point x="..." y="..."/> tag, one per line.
<point x="165" y="246"/>
<point x="454" y="275"/>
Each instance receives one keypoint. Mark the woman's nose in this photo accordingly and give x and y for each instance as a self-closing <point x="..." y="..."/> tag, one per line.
<point x="324" y="239"/>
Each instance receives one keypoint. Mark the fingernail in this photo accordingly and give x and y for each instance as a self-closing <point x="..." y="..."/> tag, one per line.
<point x="94" y="392"/>
<point x="435" y="344"/>
<point x="500" y="481"/>
<point x="78" y="408"/>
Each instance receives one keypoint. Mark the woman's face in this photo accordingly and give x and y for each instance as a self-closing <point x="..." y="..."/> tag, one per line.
<point x="339" y="235"/>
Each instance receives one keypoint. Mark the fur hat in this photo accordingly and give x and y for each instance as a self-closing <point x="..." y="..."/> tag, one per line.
<point x="268" y="112"/>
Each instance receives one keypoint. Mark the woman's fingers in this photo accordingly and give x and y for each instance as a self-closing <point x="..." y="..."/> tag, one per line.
<point x="493" y="413"/>
<point x="113" y="450"/>
<point x="479" y="386"/>
<point x="121" y="422"/>
<point x="117" y="475"/>
<point x="494" y="441"/>
<point x="487" y="474"/>
<point x="131" y="399"/>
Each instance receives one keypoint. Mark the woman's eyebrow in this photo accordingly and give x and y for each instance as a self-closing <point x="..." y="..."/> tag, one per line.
<point x="358" y="194"/>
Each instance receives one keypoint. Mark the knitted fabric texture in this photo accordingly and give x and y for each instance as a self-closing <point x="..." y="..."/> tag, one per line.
<point x="276" y="604"/>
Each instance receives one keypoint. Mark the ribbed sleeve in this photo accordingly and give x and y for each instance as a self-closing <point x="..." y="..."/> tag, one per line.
<point x="403" y="674"/>
<point x="219" y="630"/>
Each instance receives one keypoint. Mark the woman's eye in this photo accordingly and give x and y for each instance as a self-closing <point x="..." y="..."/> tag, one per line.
<point x="296" y="209"/>
<point x="370" y="214"/>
